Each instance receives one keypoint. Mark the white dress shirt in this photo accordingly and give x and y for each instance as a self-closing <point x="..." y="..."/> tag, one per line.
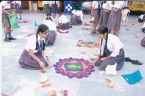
<point x="118" y="4"/>
<point x="31" y="43"/>
<point x="63" y="19"/>
<point x="113" y="44"/>
<point x="95" y="4"/>
<point x="51" y="25"/>
<point x="78" y="13"/>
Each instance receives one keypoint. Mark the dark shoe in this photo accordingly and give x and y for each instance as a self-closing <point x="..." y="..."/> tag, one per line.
<point x="7" y="40"/>
<point x="12" y="38"/>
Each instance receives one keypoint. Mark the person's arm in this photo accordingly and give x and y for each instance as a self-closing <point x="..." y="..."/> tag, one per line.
<point x="5" y="11"/>
<point x="46" y="58"/>
<point x="30" y="51"/>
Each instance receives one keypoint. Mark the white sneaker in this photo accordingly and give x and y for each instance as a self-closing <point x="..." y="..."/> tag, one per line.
<point x="111" y="70"/>
<point x="43" y="77"/>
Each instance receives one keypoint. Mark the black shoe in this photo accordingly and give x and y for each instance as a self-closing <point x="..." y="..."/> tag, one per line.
<point x="7" y="40"/>
<point x="12" y="38"/>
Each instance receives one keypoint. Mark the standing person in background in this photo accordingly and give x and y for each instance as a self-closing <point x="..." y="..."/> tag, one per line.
<point x="54" y="8"/>
<point x="18" y="7"/>
<point x="114" y="20"/>
<point x="47" y="7"/>
<point x="95" y="11"/>
<point x="6" y="11"/>
<point x="104" y="14"/>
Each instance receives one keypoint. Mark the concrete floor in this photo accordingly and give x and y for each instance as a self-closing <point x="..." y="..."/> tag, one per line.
<point x="14" y="78"/>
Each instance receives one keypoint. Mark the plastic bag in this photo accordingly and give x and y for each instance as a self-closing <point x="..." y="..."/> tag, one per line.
<point x="13" y="21"/>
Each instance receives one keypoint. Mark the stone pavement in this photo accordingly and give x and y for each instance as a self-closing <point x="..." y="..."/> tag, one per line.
<point x="14" y="78"/>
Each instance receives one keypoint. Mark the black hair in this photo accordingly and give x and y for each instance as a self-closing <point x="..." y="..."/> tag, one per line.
<point x="59" y="12"/>
<point x="41" y="28"/>
<point x="49" y="18"/>
<point x="103" y="30"/>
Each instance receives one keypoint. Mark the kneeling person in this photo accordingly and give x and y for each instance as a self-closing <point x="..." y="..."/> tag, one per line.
<point x="111" y="50"/>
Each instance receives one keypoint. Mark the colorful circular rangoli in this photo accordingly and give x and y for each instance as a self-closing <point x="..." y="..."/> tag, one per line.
<point x="73" y="67"/>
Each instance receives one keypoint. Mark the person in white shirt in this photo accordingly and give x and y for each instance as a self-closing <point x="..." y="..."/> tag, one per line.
<point x="104" y="14"/>
<point x="6" y="12"/>
<point x="95" y="13"/>
<point x="34" y="56"/>
<point x="77" y="17"/>
<point x="63" y="22"/>
<point x="111" y="50"/>
<point x="143" y="27"/>
<point x="125" y="13"/>
<point x="114" y="20"/>
<point x="50" y="40"/>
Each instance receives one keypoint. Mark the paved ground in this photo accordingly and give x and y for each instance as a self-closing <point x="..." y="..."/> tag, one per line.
<point x="14" y="78"/>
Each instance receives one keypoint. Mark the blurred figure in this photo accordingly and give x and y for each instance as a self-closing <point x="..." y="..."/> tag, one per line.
<point x="6" y="11"/>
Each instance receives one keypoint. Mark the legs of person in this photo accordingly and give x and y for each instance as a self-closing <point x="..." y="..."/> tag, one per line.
<point x="98" y="62"/>
<point x="106" y="62"/>
<point x="6" y="31"/>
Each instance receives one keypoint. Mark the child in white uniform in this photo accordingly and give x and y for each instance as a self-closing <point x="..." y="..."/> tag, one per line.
<point x="34" y="56"/>
<point x="63" y="22"/>
<point x="111" y="50"/>
<point x="50" y="40"/>
<point x="76" y="17"/>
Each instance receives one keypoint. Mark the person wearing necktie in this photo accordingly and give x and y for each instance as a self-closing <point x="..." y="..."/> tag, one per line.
<point x="34" y="56"/>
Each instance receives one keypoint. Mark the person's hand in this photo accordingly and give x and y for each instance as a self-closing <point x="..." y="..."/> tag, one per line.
<point x="94" y="60"/>
<point x="103" y="58"/>
<point x="42" y="67"/>
<point x="48" y="62"/>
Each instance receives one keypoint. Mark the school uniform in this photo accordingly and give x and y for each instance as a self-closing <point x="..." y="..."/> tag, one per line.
<point x="52" y="32"/>
<point x="5" y="19"/>
<point x="17" y="5"/>
<point x="114" y="48"/>
<point x="97" y="9"/>
<point x="26" y="61"/>
<point x="114" y="20"/>
<point x="76" y="17"/>
<point x="63" y="23"/>
<point x="104" y="14"/>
